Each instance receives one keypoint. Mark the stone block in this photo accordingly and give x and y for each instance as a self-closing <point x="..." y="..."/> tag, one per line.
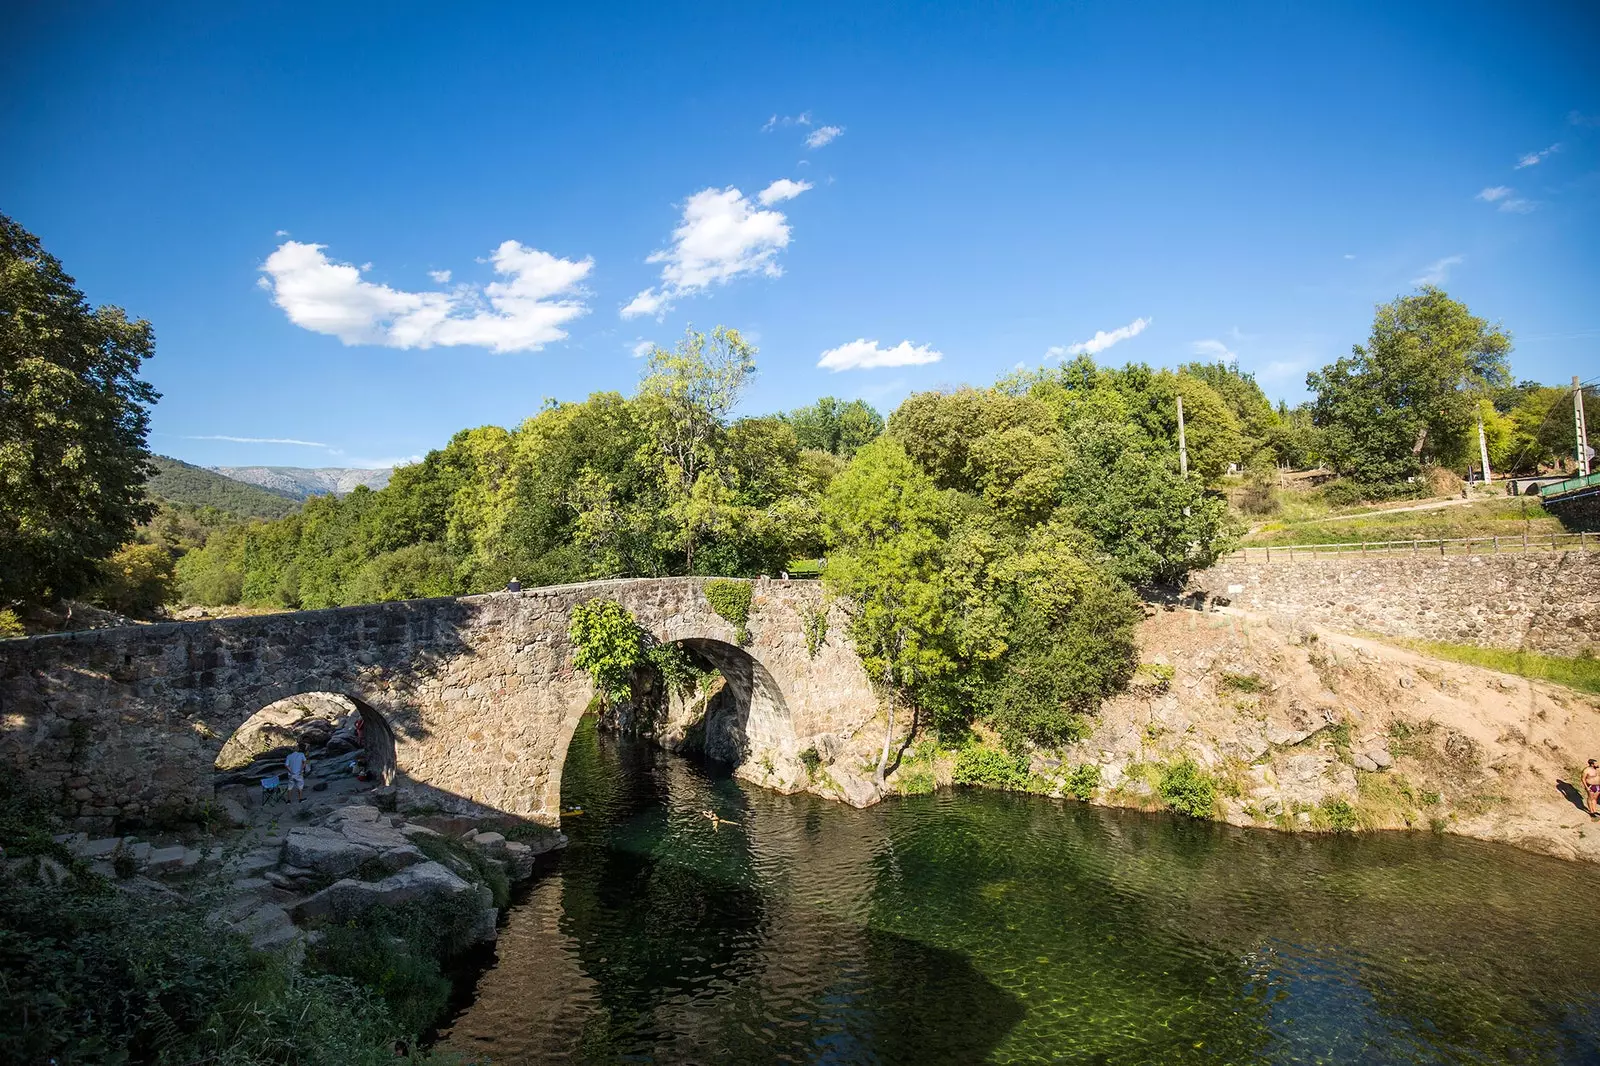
<point x="350" y="898"/>
<point x="166" y="858"/>
<point x="324" y="851"/>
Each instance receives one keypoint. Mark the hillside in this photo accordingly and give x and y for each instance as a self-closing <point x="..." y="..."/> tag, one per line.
<point x="299" y="482"/>
<point x="186" y="485"/>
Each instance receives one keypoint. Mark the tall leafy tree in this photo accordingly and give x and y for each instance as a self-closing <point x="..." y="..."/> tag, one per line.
<point x="886" y="522"/>
<point x="689" y="393"/>
<point x="1410" y="394"/>
<point x="74" y="415"/>
<point x="836" y="426"/>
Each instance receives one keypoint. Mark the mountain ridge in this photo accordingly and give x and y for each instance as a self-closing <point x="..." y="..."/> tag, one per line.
<point x="302" y="482"/>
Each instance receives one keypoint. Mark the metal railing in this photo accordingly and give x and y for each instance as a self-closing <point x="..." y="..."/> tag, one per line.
<point x="1541" y="542"/>
<point x="1572" y="484"/>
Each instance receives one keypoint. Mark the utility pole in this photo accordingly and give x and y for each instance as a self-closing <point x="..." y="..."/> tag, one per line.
<point x="1578" y="426"/>
<point x="1483" y="449"/>
<point x="1183" y="447"/>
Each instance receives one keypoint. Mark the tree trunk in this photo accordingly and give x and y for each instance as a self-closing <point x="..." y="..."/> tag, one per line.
<point x="888" y="738"/>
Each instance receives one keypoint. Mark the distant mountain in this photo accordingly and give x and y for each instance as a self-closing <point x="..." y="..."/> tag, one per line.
<point x="299" y="482"/>
<point x="181" y="483"/>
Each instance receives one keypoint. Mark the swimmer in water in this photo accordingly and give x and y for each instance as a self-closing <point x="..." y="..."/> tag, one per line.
<point x="717" y="823"/>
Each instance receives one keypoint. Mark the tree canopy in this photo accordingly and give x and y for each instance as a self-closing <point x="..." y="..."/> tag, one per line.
<point x="74" y="415"/>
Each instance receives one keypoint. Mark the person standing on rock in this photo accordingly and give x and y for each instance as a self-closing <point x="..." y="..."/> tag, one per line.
<point x="298" y="765"/>
<point x="1591" y="787"/>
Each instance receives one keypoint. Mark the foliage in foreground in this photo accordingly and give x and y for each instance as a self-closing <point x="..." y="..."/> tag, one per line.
<point x="97" y="974"/>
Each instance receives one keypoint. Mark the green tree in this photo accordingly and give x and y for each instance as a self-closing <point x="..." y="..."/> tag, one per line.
<point x="839" y="427"/>
<point x="74" y="416"/>
<point x="137" y="579"/>
<point x="688" y="394"/>
<point x="885" y="522"/>
<point x="1410" y="394"/>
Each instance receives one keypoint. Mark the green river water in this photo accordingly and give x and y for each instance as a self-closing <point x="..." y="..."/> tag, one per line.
<point x="971" y="926"/>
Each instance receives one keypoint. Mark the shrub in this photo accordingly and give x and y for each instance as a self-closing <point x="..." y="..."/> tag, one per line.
<point x="608" y="645"/>
<point x="815" y="623"/>
<point x="10" y="624"/>
<point x="1260" y="493"/>
<point x="1338" y="815"/>
<point x="137" y="579"/>
<point x="1081" y="781"/>
<point x="977" y="765"/>
<point x="811" y="760"/>
<point x="731" y="600"/>
<point x="1188" y="789"/>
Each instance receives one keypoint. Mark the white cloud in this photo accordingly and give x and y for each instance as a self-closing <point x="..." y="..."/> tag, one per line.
<point x="441" y="276"/>
<point x="868" y="355"/>
<point x="1101" y="340"/>
<point x="823" y="135"/>
<point x="721" y="236"/>
<point x="802" y="119"/>
<point x="1578" y="118"/>
<point x="1504" y="195"/>
<point x="642" y="349"/>
<point x="1349" y="255"/>
<point x="1533" y="159"/>
<point x="281" y="233"/>
<point x="1213" y="349"/>
<point x="1438" y="271"/>
<point x="526" y="310"/>
<point x="258" y="440"/>
<point x="781" y="190"/>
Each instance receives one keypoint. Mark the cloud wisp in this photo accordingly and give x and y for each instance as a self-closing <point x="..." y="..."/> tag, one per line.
<point x="537" y="296"/>
<point x="781" y="190"/>
<point x="642" y="348"/>
<point x="1505" y="199"/>
<point x="257" y="440"/>
<point x="823" y="135"/>
<point x="802" y="119"/>
<point x="1101" y="340"/>
<point x="1214" y="349"/>
<point x="863" y="354"/>
<point x="722" y="235"/>
<point x="1533" y="159"/>
<point x="1438" y="271"/>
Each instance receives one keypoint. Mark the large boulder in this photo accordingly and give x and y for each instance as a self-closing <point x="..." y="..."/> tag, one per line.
<point x="325" y="850"/>
<point x="349" y="898"/>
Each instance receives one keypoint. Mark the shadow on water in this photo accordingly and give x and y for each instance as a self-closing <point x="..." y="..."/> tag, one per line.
<point x="971" y="927"/>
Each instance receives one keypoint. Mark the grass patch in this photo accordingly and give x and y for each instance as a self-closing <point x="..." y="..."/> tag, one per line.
<point x="1508" y="518"/>
<point x="1578" y="672"/>
<point x="1243" y="683"/>
<point x="468" y="862"/>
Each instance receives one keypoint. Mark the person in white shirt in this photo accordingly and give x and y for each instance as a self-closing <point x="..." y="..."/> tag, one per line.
<point x="298" y="766"/>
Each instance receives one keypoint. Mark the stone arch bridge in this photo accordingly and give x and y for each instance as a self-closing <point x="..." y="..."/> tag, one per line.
<point x="479" y="692"/>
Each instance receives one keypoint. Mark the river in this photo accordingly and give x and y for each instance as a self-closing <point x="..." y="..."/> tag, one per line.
<point x="972" y="926"/>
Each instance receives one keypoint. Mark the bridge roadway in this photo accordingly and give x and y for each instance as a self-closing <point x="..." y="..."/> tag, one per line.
<point x="478" y="693"/>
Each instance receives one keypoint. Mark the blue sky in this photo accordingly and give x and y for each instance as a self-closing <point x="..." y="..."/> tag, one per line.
<point x="944" y="193"/>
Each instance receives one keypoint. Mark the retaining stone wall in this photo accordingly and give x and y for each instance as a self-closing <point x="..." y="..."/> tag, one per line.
<point x="1547" y="602"/>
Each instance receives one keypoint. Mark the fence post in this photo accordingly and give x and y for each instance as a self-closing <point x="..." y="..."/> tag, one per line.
<point x="1497" y="545"/>
<point x="1524" y="541"/>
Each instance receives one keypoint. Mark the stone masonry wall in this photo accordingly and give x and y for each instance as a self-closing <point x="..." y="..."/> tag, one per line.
<point x="124" y="725"/>
<point x="1546" y="602"/>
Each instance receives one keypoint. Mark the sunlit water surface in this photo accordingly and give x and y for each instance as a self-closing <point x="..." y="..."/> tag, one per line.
<point x="982" y="927"/>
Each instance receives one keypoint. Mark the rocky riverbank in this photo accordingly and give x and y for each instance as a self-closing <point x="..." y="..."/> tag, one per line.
<point x="1267" y="722"/>
<point x="280" y="877"/>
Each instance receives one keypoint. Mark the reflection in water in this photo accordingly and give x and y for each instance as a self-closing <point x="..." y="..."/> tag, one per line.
<point x="970" y="927"/>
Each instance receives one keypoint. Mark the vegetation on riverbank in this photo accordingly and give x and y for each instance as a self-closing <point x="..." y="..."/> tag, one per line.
<point x="1574" y="672"/>
<point x="103" y="971"/>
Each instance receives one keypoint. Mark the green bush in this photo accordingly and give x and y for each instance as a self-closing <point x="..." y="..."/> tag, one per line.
<point x="1345" y="493"/>
<point x="991" y="768"/>
<point x="10" y="624"/>
<point x="608" y="645"/>
<point x="1081" y="781"/>
<point x="811" y="760"/>
<point x="1339" y="815"/>
<point x="731" y="600"/>
<point x="1188" y="789"/>
<point x="815" y="623"/>
<point x="1243" y="682"/>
